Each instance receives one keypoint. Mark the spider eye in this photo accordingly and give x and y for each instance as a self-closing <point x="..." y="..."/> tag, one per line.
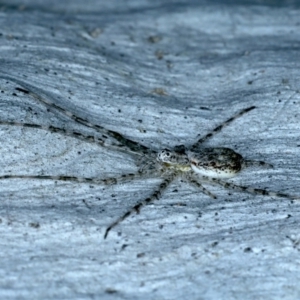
<point x="166" y="152"/>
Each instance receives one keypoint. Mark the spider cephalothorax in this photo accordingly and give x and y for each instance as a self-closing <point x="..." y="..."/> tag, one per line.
<point x="173" y="159"/>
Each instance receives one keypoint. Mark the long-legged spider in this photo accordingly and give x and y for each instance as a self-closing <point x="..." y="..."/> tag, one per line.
<point x="195" y="163"/>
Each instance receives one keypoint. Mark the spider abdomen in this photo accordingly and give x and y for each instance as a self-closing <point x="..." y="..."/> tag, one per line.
<point x="216" y="162"/>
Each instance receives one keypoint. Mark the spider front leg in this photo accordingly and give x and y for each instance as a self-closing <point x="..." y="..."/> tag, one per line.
<point x="62" y="131"/>
<point x="128" y="144"/>
<point x="106" y="181"/>
<point x="136" y="209"/>
<point x="52" y="106"/>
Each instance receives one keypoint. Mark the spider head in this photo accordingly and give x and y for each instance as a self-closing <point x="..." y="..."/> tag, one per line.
<point x="165" y="156"/>
<point x="173" y="159"/>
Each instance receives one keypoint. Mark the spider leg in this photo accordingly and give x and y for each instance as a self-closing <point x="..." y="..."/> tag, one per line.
<point x="219" y="128"/>
<point x="106" y="181"/>
<point x="248" y="189"/>
<point x="29" y="90"/>
<point x="75" y="134"/>
<point x="194" y="181"/>
<point x="136" y="209"/>
<point x="132" y="145"/>
<point x="256" y="163"/>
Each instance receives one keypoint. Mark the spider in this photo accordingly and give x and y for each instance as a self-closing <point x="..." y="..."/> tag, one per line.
<point x="195" y="164"/>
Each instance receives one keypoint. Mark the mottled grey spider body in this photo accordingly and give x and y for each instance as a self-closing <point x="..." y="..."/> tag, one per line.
<point x="196" y="164"/>
<point x="213" y="162"/>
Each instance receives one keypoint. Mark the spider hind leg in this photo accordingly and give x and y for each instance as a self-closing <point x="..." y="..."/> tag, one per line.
<point x="256" y="163"/>
<point x="199" y="186"/>
<point x="196" y="145"/>
<point x="247" y="189"/>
